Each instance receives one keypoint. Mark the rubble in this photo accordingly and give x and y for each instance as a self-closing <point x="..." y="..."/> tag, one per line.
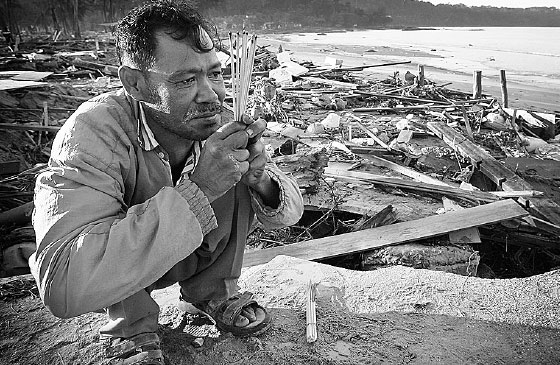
<point x="356" y="146"/>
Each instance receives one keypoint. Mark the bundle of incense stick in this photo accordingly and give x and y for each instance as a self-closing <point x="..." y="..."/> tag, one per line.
<point x="310" y="313"/>
<point x="242" y="49"/>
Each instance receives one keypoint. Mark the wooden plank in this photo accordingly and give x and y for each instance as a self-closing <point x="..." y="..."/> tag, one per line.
<point x="35" y="110"/>
<point x="354" y="176"/>
<point x="390" y="235"/>
<point x="458" y="142"/>
<point x="406" y="98"/>
<point x="518" y="193"/>
<point x="396" y="108"/>
<point x="493" y="172"/>
<point x="29" y="127"/>
<point x="371" y="134"/>
<point x="318" y="80"/>
<point x="462" y="236"/>
<point x="482" y="159"/>
<point x="30" y="75"/>
<point x="406" y="171"/>
<point x="14" y="84"/>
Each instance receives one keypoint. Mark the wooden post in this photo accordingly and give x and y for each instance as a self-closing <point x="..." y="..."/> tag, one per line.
<point x="477" y="84"/>
<point x="77" y="32"/>
<point x="45" y="114"/>
<point x="504" y="88"/>
<point x="467" y="122"/>
<point x="96" y="49"/>
<point x="44" y="121"/>
<point x="420" y="75"/>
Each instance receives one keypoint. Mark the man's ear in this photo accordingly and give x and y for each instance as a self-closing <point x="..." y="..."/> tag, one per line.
<point x="133" y="82"/>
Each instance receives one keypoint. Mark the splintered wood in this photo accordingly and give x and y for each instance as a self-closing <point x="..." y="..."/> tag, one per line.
<point x="242" y="52"/>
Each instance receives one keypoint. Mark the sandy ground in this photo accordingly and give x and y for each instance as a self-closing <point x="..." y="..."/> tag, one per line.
<point x="526" y="94"/>
<point x="396" y="315"/>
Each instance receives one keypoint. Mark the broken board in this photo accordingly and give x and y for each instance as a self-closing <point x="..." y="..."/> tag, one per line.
<point x="463" y="236"/>
<point x="393" y="234"/>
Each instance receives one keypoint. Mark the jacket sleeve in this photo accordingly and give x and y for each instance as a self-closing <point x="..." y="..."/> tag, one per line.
<point x="290" y="208"/>
<point x="93" y="250"/>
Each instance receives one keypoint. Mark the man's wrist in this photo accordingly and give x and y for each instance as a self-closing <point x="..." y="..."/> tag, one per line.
<point x="198" y="203"/>
<point x="264" y="183"/>
<point x="268" y="190"/>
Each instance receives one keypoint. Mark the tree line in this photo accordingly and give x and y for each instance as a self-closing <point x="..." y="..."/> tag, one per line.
<point x="73" y="16"/>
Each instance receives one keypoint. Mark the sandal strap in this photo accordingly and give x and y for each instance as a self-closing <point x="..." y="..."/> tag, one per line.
<point x="150" y="357"/>
<point x="129" y="345"/>
<point x="235" y="305"/>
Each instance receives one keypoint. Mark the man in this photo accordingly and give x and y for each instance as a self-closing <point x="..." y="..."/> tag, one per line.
<point x="149" y="186"/>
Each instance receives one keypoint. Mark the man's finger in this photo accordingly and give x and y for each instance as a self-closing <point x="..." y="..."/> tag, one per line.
<point x="240" y="155"/>
<point x="236" y="140"/>
<point x="243" y="167"/>
<point x="246" y="119"/>
<point x="228" y="129"/>
<point x="255" y="130"/>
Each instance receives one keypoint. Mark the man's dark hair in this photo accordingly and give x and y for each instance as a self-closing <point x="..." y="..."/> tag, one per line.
<point x="135" y="33"/>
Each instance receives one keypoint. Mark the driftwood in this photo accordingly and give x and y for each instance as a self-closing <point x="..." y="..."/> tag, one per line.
<point x="407" y="171"/>
<point x="353" y="176"/>
<point x="448" y="258"/>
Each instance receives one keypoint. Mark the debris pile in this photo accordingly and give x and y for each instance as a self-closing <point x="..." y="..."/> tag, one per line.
<point x="453" y="181"/>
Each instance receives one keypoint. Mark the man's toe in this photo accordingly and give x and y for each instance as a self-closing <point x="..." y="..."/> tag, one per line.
<point x="241" y="321"/>
<point x="249" y="313"/>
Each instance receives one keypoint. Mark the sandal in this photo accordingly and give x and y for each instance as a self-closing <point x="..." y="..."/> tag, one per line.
<point x="142" y="349"/>
<point x="226" y="312"/>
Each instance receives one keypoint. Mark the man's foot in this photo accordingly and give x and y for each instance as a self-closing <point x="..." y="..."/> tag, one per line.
<point x="241" y="315"/>
<point x="140" y="349"/>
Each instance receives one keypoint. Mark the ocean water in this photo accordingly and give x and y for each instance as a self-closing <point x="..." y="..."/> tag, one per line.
<point x="527" y="54"/>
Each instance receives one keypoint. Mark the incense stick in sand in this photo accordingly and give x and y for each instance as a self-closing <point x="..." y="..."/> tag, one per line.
<point x="310" y="313"/>
<point x="242" y="51"/>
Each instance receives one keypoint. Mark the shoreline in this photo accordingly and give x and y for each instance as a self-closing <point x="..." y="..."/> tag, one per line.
<point x="524" y="91"/>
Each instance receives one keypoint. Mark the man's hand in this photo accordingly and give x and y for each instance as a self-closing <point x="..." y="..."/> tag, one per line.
<point x="223" y="160"/>
<point x="257" y="155"/>
<point x="256" y="177"/>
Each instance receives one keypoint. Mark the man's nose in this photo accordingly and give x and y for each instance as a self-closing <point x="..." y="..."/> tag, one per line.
<point x="206" y="92"/>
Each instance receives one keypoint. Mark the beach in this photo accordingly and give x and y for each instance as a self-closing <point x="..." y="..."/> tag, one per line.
<point x="450" y="56"/>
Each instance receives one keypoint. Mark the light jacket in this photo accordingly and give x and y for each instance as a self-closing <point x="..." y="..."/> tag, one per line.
<point x="109" y="220"/>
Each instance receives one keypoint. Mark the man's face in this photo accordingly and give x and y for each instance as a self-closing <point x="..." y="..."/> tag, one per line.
<point x="185" y="89"/>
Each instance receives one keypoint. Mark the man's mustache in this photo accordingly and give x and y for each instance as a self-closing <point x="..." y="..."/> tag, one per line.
<point x="205" y="109"/>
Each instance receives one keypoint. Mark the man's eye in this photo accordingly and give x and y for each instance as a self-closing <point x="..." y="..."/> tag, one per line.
<point x="216" y="74"/>
<point x="187" y="82"/>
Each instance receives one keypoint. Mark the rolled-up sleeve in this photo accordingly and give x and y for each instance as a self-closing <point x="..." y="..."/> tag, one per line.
<point x="290" y="209"/>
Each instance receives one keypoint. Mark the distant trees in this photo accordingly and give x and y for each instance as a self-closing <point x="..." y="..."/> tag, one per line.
<point x="422" y="13"/>
<point x="71" y="16"/>
<point x="60" y="15"/>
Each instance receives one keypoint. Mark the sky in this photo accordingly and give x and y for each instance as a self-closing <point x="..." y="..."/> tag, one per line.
<point x="501" y="3"/>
